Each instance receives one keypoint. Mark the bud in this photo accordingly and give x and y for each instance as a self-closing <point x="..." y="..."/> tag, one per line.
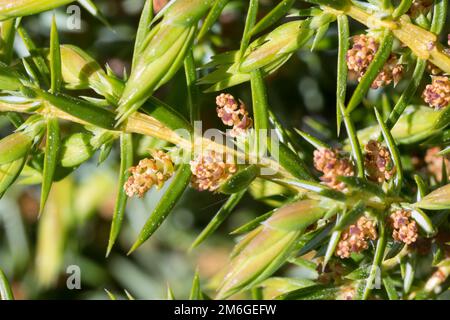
<point x="9" y="173"/>
<point x="17" y="145"/>
<point x="162" y="54"/>
<point x="18" y="8"/>
<point x="80" y="71"/>
<point x="14" y="146"/>
<point x="186" y="12"/>
<point x="415" y="124"/>
<point x="149" y="173"/>
<point x="274" y="46"/>
<point x="267" y="53"/>
<point x="265" y="249"/>
<point x="439" y="199"/>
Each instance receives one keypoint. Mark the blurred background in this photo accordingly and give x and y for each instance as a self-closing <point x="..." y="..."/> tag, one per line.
<point x="35" y="253"/>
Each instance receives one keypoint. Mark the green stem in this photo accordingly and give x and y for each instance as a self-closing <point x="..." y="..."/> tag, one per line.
<point x="407" y="95"/>
<point x="354" y="142"/>
<point x="342" y="70"/>
<point x="260" y="108"/>
<point x="249" y="24"/>
<point x="375" y="270"/>
<point x="191" y="81"/>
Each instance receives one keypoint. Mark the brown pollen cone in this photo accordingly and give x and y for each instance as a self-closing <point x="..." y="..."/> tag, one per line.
<point x="332" y="165"/>
<point x="360" y="56"/>
<point x="233" y="114"/>
<point x="210" y="170"/>
<point x="392" y="72"/>
<point x="404" y="228"/>
<point x="437" y="94"/>
<point x="149" y="173"/>
<point x="378" y="162"/>
<point x="356" y="237"/>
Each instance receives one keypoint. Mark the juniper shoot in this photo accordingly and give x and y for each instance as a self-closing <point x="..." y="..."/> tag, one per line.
<point x="371" y="200"/>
